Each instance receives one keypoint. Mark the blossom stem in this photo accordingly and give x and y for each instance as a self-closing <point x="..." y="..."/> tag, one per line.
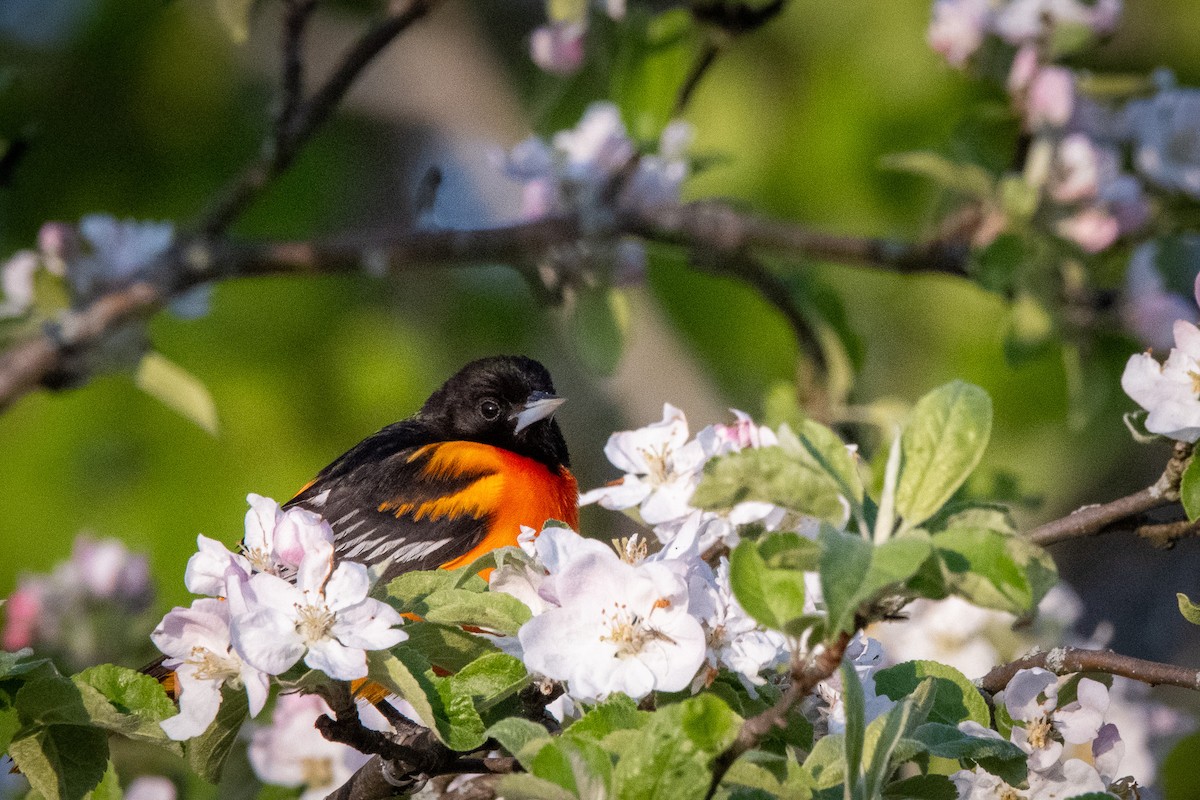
<point x="1116" y="514"/>
<point x="806" y="674"/>
<point x="1068" y="660"/>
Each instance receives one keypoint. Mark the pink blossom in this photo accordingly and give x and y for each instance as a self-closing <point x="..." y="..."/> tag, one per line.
<point x="22" y="612"/>
<point x="1093" y="229"/>
<point x="1051" y="98"/>
<point x="558" y="47"/>
<point x="957" y="29"/>
<point x="1024" y="67"/>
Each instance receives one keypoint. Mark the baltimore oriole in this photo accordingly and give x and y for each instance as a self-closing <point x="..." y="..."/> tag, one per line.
<point x="481" y="458"/>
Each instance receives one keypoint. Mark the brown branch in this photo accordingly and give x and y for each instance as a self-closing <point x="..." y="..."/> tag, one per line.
<point x="701" y="227"/>
<point x="403" y="760"/>
<point x="1092" y="520"/>
<point x="1069" y="660"/>
<point x="724" y="230"/>
<point x="1163" y="535"/>
<point x="285" y="142"/>
<point x="806" y="674"/>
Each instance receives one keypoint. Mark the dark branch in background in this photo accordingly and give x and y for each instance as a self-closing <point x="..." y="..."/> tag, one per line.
<point x="1116" y="515"/>
<point x="806" y="674"/>
<point x="304" y="118"/>
<point x="708" y="227"/>
<point x="1068" y="660"/>
<point x="295" y="21"/>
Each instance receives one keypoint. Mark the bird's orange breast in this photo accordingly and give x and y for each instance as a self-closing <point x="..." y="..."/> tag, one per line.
<point x="511" y="491"/>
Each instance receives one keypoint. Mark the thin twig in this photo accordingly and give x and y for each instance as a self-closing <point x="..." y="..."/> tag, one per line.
<point x="283" y="145"/>
<point x="1069" y="660"/>
<point x="1164" y="535"/>
<point x="701" y="66"/>
<point x="806" y="674"/>
<point x="291" y="94"/>
<point x="1091" y="520"/>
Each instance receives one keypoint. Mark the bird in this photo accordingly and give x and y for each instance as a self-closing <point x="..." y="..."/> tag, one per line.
<point x="482" y="457"/>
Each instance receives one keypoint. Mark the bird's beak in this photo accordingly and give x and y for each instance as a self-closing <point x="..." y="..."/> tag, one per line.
<point x="539" y="406"/>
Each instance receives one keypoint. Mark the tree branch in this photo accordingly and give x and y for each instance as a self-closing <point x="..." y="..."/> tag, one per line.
<point x="1068" y="660"/>
<point x="706" y="227"/>
<point x="1092" y="520"/>
<point x="402" y="760"/>
<point x="806" y="675"/>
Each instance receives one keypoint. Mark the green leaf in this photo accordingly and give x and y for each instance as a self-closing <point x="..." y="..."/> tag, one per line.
<point x="109" y="787"/>
<point x="494" y="611"/>
<point x="999" y="757"/>
<point x="130" y="691"/>
<point x="854" y="740"/>
<point x="845" y="560"/>
<point x="826" y="449"/>
<point x="1189" y="489"/>
<point x="235" y="16"/>
<point x="447" y="646"/>
<point x="925" y="787"/>
<point x="207" y="752"/>
<point x="1179" y="779"/>
<point x="884" y="734"/>
<point x="956" y="698"/>
<point x="599" y="327"/>
<point x="993" y="569"/>
<point x="853" y="571"/>
<point x="22" y="662"/>
<point x="10" y="723"/>
<point x="616" y="713"/>
<point x="1190" y="611"/>
<point x="520" y="737"/>
<point x="177" y="388"/>
<point x="773" y="597"/>
<point x="669" y="758"/>
<point x="490" y="679"/>
<point x="530" y="787"/>
<point x="827" y="761"/>
<point x="942" y="443"/>
<point x="970" y="180"/>
<point x="771" y="475"/>
<point x="578" y="765"/>
<point x="409" y="592"/>
<point x="450" y="714"/>
<point x="50" y="700"/>
<point x="62" y="762"/>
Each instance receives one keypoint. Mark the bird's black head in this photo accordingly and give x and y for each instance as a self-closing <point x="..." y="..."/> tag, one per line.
<point x="505" y="401"/>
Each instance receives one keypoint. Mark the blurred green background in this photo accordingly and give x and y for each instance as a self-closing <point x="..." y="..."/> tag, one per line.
<point x="143" y="108"/>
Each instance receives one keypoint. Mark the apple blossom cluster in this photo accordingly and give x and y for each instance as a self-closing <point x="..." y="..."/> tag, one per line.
<point x="87" y="610"/>
<point x="255" y="623"/>
<point x="1050" y="730"/>
<point x="100" y="254"/>
<point x="961" y="27"/>
<point x="662" y="469"/>
<point x="595" y="171"/>
<point x="638" y="622"/>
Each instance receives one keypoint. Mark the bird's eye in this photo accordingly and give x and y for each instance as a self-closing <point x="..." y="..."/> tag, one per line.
<point x="490" y="409"/>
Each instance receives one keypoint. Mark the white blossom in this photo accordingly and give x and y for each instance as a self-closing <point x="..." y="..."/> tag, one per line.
<point x="197" y="644"/>
<point x="629" y="624"/>
<point x="866" y="654"/>
<point x="1169" y="391"/>
<point x="325" y="617"/>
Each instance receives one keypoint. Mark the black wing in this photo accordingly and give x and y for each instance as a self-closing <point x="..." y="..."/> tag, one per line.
<point x="376" y="497"/>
